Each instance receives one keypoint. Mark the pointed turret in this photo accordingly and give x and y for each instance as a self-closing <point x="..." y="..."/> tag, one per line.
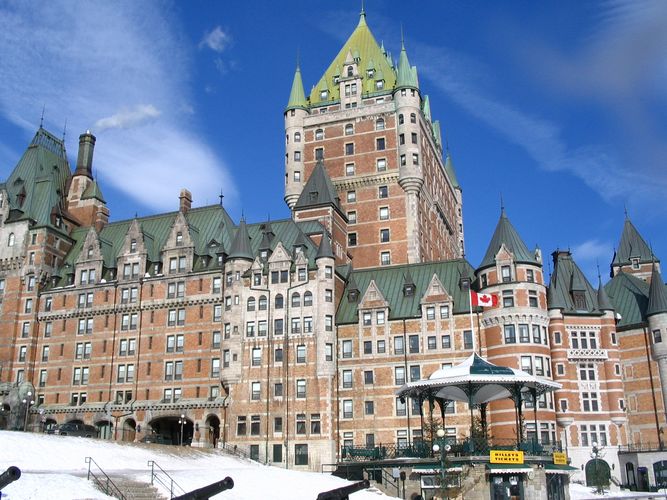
<point x="633" y="254"/>
<point x="426" y="108"/>
<point x="657" y="296"/>
<point x="324" y="251"/>
<point x="506" y="235"/>
<point x="406" y="75"/>
<point x="297" y="97"/>
<point x="449" y="169"/>
<point x="604" y="304"/>
<point x="319" y="190"/>
<point x="240" y="247"/>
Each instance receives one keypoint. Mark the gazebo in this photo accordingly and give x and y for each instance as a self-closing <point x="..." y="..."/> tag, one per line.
<point x="478" y="382"/>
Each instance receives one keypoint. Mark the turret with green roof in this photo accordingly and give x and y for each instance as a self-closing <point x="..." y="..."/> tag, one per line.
<point x="297" y="97"/>
<point x="506" y="235"/>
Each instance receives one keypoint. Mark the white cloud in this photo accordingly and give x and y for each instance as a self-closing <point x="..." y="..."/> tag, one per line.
<point x="593" y="250"/>
<point x="216" y="40"/>
<point x="128" y="117"/>
<point x="97" y="63"/>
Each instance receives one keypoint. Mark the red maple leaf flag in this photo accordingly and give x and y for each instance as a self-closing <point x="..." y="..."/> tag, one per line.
<point x="484" y="299"/>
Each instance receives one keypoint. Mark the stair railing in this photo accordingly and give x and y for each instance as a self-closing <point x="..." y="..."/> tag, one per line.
<point x="103" y="481"/>
<point x="160" y="475"/>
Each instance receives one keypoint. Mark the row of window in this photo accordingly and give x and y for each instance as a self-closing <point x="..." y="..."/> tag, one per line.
<point x="414" y="344"/>
<point x="383" y="192"/>
<point x="384" y="237"/>
<point x="526" y="334"/>
<point x="383" y="215"/>
<point x="256" y="390"/>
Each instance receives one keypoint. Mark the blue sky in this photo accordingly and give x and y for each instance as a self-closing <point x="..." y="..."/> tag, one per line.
<point x="559" y="106"/>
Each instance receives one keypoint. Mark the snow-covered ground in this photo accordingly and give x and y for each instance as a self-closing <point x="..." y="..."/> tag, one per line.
<point x="54" y="467"/>
<point x="581" y="492"/>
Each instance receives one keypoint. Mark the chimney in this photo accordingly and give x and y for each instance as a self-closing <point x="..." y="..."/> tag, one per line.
<point x="84" y="161"/>
<point x="185" y="200"/>
<point x="101" y="218"/>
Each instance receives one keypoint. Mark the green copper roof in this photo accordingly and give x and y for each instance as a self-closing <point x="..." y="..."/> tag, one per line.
<point x="505" y="234"/>
<point x="319" y="190"/>
<point x="362" y="45"/>
<point x="449" y="170"/>
<point x="603" y="299"/>
<point x="426" y="108"/>
<point x="481" y="366"/>
<point x="324" y="251"/>
<point x="406" y="75"/>
<point x="629" y="295"/>
<point x="241" y="248"/>
<point x="657" y="296"/>
<point x="297" y="97"/>
<point x="36" y="187"/>
<point x="632" y="245"/>
<point x="390" y="281"/>
<point x="93" y="191"/>
<point x="566" y="279"/>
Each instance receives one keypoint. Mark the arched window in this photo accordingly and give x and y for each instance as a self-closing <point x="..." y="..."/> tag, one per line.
<point x="379" y="124"/>
<point x="350" y="71"/>
<point x="262" y="303"/>
<point x="319" y="134"/>
<point x="11" y="240"/>
<point x="296" y="300"/>
<point x="307" y="299"/>
<point x="251" y="304"/>
<point x="349" y="129"/>
<point x="297" y="136"/>
<point x="279" y="301"/>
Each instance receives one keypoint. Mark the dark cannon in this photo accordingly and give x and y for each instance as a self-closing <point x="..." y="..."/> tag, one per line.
<point x="9" y="476"/>
<point x="206" y="492"/>
<point x="344" y="492"/>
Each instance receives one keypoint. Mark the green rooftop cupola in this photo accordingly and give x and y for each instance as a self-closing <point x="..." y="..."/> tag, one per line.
<point x="240" y="247"/>
<point x="657" y="296"/>
<point x="406" y="75"/>
<point x="297" y="97"/>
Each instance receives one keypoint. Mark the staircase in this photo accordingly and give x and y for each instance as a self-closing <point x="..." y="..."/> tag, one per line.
<point x="136" y="490"/>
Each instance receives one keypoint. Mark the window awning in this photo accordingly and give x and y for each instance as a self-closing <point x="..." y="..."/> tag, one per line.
<point x="508" y="469"/>
<point x="559" y="469"/>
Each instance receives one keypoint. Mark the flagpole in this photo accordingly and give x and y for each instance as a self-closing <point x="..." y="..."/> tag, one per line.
<point x="472" y="328"/>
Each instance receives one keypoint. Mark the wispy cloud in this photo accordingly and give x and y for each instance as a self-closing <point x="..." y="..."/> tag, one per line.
<point x="113" y="72"/>
<point x="217" y="40"/>
<point x="128" y="118"/>
<point x="592" y="250"/>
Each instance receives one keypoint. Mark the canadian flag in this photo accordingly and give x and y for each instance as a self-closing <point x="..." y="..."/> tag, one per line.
<point x="484" y="299"/>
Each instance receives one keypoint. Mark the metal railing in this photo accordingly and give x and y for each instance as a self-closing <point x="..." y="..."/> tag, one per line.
<point x="160" y="476"/>
<point x="632" y="448"/>
<point x="103" y="481"/>
<point x="458" y="448"/>
<point x="235" y="450"/>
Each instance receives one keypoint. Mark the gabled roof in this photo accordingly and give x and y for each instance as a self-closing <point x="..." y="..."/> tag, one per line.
<point x="632" y="245"/>
<point x="657" y="296"/>
<point x="297" y="97"/>
<point x="629" y="295"/>
<point x="364" y="48"/>
<point x="319" y="190"/>
<point x="390" y="281"/>
<point x="505" y="234"/>
<point x="566" y="279"/>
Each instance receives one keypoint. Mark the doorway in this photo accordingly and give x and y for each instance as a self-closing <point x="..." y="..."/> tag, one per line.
<point x="506" y="487"/>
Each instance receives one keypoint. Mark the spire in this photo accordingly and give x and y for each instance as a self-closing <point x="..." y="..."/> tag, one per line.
<point x="240" y="247"/>
<point x="362" y="15"/>
<point x="505" y="234"/>
<point x="324" y="251"/>
<point x="297" y="97"/>
<point x="319" y="190"/>
<point x="449" y="170"/>
<point x="657" y="295"/>
<point x="267" y="236"/>
<point x="406" y="75"/>
<point x="604" y="304"/>
<point x="427" y="108"/>
<point x="632" y="245"/>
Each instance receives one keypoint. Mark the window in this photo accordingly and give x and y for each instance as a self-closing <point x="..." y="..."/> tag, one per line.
<point x="349" y="169"/>
<point x="532" y="298"/>
<point x="48" y="329"/>
<point x="399" y="345"/>
<point x="587" y="371"/>
<point x="530" y="276"/>
<point x="379" y="318"/>
<point x="22" y="353"/>
<point x="510" y="334"/>
<point x="505" y="274"/>
<point x="278" y="326"/>
<point x="369" y="408"/>
<point x="241" y="425"/>
<point x="384" y="235"/>
<point x="537" y="337"/>
<point x="385" y="258"/>
<point x="381" y="164"/>
<point x="349" y="129"/>
<point x="328" y="271"/>
<point x="401" y="139"/>
<point x="300" y="423"/>
<point x="508" y="298"/>
<point x="255" y="391"/>
<point x="251" y="304"/>
<point x="430" y="312"/>
<point x="467" y="339"/>
<point x="301" y="388"/>
<point x="579" y="299"/>
<point x="380" y="144"/>
<point x="315" y="425"/>
<point x="589" y="401"/>
<point x="401" y="408"/>
<point x="319" y="134"/>
<point x="414" y="137"/>
<point x="413" y="343"/>
<point x="413" y="118"/>
<point x="524" y="335"/>
<point x="399" y="375"/>
<point x="297" y="157"/>
<point x="351" y="196"/>
<point x="432" y="343"/>
<point x="347" y="408"/>
<point x="446" y="342"/>
<point x="279" y="301"/>
<point x="250" y="329"/>
<point x="349" y="148"/>
<point x="352" y="239"/>
<point x="300" y="454"/>
<point x="657" y="336"/>
<point x="383" y="192"/>
<point x="592" y="433"/>
<point x="415" y="373"/>
<point x="415" y="159"/>
<point x="301" y="353"/>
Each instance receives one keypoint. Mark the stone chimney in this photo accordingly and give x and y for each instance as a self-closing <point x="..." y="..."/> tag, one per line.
<point x="185" y="200"/>
<point x="84" y="161"/>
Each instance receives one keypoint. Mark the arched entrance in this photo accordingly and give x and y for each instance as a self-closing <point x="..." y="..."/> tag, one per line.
<point x="213" y="428"/>
<point x="597" y="473"/>
<point x="104" y="429"/>
<point x="129" y="430"/>
<point x="174" y="429"/>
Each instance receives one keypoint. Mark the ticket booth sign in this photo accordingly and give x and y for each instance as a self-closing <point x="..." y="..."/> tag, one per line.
<point x="506" y="457"/>
<point x="560" y="458"/>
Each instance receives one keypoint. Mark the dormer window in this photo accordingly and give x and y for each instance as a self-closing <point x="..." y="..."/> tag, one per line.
<point x="324" y="94"/>
<point x="353" y="295"/>
<point x="336" y="79"/>
<point x="408" y="290"/>
<point x="133" y="245"/>
<point x="89" y="253"/>
<point x="579" y="299"/>
<point x="179" y="239"/>
<point x="506" y="274"/>
<point x="370" y="73"/>
<point x="635" y="263"/>
<point x="379" y="84"/>
<point x="350" y="71"/>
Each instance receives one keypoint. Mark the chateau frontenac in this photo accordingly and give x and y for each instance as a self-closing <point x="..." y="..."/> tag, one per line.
<point x="290" y="339"/>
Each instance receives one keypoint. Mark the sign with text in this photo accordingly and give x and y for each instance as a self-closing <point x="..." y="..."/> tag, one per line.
<point x="506" y="457"/>
<point x="560" y="458"/>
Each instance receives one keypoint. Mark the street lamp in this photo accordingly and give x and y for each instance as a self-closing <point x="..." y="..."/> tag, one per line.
<point x="182" y="423"/>
<point x="595" y="455"/>
<point x="443" y="457"/>
<point x="28" y="402"/>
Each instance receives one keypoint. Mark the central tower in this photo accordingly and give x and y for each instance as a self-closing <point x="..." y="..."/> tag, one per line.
<point x="368" y="123"/>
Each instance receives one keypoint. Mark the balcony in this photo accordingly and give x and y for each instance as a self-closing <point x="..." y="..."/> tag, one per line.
<point x="586" y="354"/>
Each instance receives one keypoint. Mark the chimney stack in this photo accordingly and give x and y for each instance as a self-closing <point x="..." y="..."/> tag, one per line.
<point x="185" y="200"/>
<point x="84" y="161"/>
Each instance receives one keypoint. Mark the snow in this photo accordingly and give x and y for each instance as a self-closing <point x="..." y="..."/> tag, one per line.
<point x="581" y="492"/>
<point x="54" y="467"/>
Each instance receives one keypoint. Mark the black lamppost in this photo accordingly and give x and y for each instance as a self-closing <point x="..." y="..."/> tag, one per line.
<point x="28" y="402"/>
<point x="182" y="423"/>
<point x="443" y="449"/>
<point x="595" y="455"/>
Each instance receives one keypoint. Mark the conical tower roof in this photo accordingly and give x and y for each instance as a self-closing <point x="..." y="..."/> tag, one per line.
<point x="426" y="108"/>
<point x="319" y="190"/>
<point x="657" y="296"/>
<point x="406" y="75"/>
<point x="505" y="234"/>
<point x="240" y="247"/>
<point x="632" y="245"/>
<point x="449" y="170"/>
<point x="324" y="251"/>
<point x="604" y="304"/>
<point x="297" y="97"/>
